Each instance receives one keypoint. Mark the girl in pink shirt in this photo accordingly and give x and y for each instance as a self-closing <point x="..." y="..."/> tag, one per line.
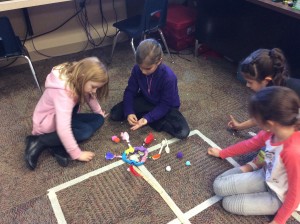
<point x="273" y="187"/>
<point x="57" y="125"/>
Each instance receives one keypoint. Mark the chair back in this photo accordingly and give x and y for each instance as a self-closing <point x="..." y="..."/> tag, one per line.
<point x="9" y="43"/>
<point x="154" y="15"/>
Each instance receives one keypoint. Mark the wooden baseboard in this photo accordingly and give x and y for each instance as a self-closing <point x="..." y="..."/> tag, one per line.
<point x="65" y="49"/>
<point x="60" y="51"/>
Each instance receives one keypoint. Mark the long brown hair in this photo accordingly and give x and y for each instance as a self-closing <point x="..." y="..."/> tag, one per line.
<point x="276" y="103"/>
<point x="79" y="73"/>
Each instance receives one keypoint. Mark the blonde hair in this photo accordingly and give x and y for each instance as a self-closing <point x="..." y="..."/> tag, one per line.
<point x="79" y="73"/>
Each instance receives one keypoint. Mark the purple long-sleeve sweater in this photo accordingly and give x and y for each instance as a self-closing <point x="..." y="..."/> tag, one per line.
<point x="159" y="88"/>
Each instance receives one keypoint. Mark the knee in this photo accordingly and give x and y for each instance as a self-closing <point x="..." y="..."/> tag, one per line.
<point x="85" y="134"/>
<point x="117" y="113"/>
<point x="218" y="187"/>
<point x="223" y="186"/>
<point x="99" y="120"/>
<point x="114" y="116"/>
<point x="184" y="133"/>
<point x="230" y="205"/>
<point x="235" y="204"/>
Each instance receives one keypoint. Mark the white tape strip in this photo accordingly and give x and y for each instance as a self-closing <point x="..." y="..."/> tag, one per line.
<point x="56" y="208"/>
<point x="296" y="216"/>
<point x="199" y="208"/>
<point x="154" y="183"/>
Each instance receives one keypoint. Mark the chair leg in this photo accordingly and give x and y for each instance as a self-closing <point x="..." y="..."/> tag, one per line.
<point x="196" y="48"/>
<point x="165" y="43"/>
<point x="132" y="45"/>
<point x="33" y="72"/>
<point x="114" y="45"/>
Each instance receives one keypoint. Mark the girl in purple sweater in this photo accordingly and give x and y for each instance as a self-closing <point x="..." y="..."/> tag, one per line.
<point x="151" y="96"/>
<point x="56" y="124"/>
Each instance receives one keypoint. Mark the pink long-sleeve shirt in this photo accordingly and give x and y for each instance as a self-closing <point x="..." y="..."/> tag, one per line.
<point x="282" y="168"/>
<point x="54" y="110"/>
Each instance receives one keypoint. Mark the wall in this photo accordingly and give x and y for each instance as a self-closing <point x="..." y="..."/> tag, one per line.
<point x="237" y="28"/>
<point x="71" y="37"/>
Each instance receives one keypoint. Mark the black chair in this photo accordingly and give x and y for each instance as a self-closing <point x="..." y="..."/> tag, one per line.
<point x="153" y="18"/>
<point x="11" y="46"/>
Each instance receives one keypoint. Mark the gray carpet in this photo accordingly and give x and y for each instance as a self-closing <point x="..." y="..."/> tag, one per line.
<point x="209" y="92"/>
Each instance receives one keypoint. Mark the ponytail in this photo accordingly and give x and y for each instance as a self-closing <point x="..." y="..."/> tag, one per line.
<point x="280" y="70"/>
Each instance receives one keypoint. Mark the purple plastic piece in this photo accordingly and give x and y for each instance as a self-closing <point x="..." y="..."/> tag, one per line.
<point x="179" y="155"/>
<point x="109" y="156"/>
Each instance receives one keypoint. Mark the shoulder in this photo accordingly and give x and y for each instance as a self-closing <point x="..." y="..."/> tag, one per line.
<point x="291" y="151"/>
<point x="291" y="147"/>
<point x="166" y="72"/>
<point x="293" y="142"/>
<point x="293" y="84"/>
<point x="55" y="79"/>
<point x="166" y="68"/>
<point x="56" y="88"/>
<point x="136" y="69"/>
<point x="136" y="72"/>
<point x="264" y="135"/>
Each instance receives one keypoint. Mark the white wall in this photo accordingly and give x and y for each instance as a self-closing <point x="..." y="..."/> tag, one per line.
<point x="71" y="37"/>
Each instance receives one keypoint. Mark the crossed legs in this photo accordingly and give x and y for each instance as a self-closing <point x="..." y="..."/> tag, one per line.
<point x="246" y="193"/>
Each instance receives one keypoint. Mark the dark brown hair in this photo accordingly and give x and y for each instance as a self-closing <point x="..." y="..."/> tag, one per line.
<point x="276" y="103"/>
<point x="264" y="63"/>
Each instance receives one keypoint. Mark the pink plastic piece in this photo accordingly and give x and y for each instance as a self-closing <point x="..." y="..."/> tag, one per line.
<point x="125" y="136"/>
<point x="115" y="139"/>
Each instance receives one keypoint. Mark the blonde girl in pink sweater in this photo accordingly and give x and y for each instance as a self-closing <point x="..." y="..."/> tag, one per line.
<point x="57" y="124"/>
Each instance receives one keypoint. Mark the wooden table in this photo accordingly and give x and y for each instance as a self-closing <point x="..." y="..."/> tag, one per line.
<point x="278" y="6"/>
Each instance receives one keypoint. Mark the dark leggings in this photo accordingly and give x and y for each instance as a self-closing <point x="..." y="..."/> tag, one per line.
<point x="173" y="122"/>
<point x="84" y="125"/>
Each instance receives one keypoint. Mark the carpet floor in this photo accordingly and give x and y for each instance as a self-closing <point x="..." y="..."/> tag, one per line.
<point x="209" y="92"/>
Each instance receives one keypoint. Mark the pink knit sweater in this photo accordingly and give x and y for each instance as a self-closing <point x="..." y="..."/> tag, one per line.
<point x="54" y="112"/>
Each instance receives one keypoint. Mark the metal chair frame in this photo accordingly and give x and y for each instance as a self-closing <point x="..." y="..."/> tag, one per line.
<point x="11" y="46"/>
<point x="142" y="25"/>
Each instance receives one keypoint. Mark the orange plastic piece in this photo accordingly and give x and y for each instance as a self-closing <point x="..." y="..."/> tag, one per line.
<point x="156" y="156"/>
<point x="115" y="139"/>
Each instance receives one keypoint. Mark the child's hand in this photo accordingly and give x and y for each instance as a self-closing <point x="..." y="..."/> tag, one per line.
<point x="213" y="152"/>
<point x="259" y="161"/>
<point x="104" y="114"/>
<point x="132" y="119"/>
<point x="86" y="156"/>
<point x="233" y="123"/>
<point x="142" y="122"/>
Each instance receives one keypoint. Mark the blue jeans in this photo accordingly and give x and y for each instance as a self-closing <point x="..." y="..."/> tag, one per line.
<point x="84" y="125"/>
<point x="246" y="193"/>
